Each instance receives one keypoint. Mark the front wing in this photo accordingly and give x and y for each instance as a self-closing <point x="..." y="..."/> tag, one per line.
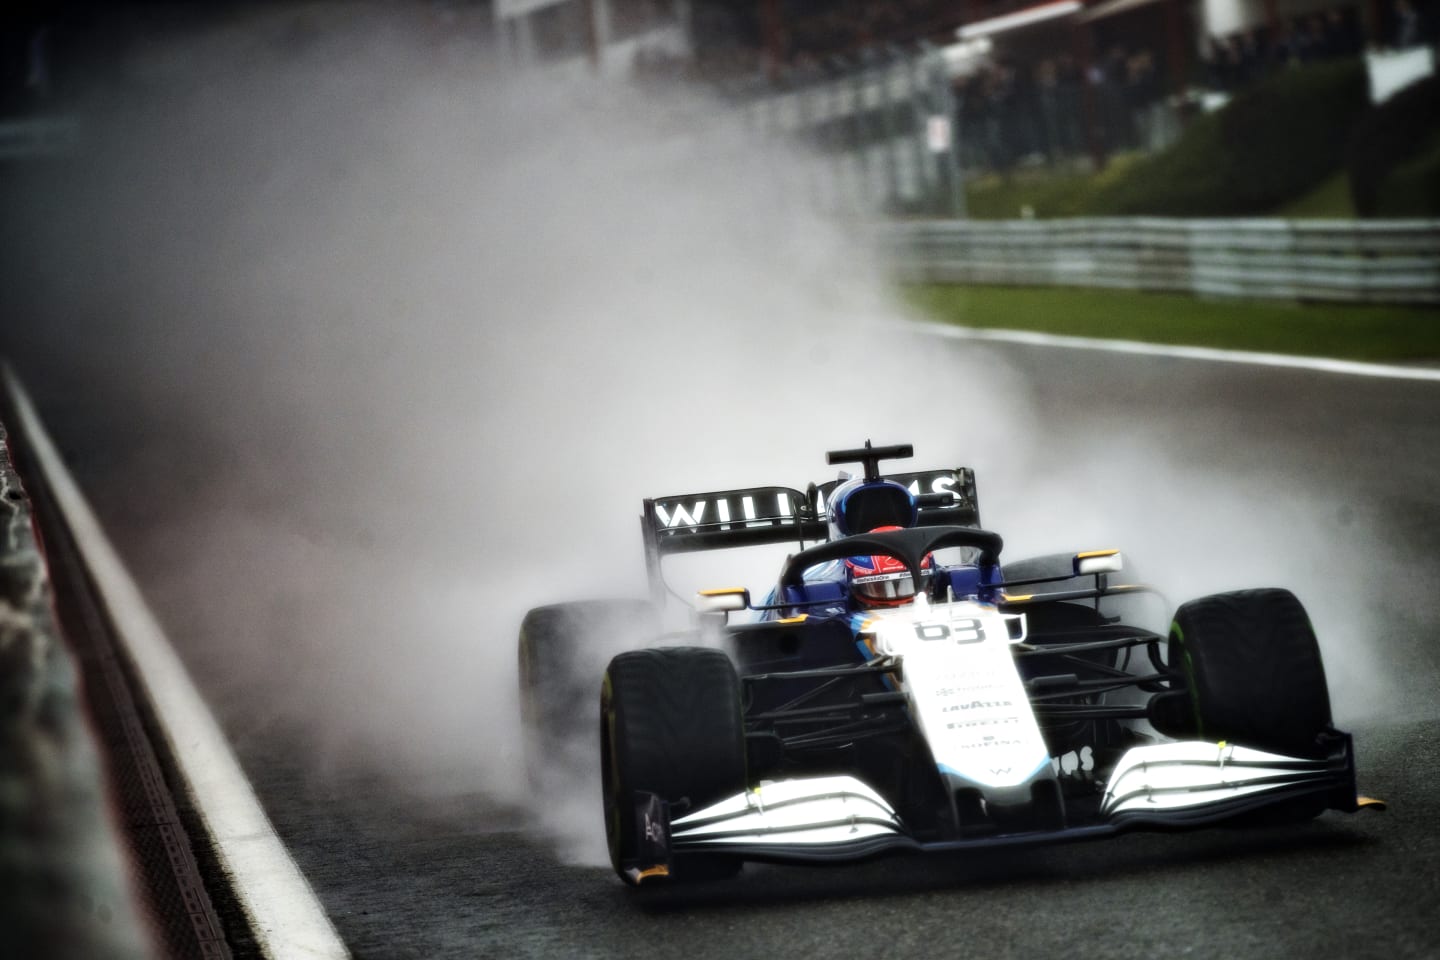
<point x="838" y="818"/>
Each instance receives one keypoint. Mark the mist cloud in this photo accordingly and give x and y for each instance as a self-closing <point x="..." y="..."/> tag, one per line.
<point x="402" y="342"/>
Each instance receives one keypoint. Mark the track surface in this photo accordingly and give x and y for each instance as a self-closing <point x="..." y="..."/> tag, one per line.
<point x="464" y="878"/>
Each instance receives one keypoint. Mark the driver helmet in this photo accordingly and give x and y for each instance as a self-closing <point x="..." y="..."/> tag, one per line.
<point x="859" y="505"/>
<point x="881" y="580"/>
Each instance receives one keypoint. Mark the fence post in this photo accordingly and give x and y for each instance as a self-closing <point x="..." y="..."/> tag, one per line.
<point x="926" y="171"/>
<point x="942" y="102"/>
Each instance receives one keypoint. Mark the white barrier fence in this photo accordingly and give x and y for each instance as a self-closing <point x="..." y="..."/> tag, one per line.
<point x="1374" y="261"/>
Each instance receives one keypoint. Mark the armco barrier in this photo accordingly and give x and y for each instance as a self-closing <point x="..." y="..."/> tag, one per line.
<point x="1363" y="261"/>
<point x="64" y="892"/>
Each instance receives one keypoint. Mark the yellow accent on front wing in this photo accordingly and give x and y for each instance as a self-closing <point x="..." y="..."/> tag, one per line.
<point x="1016" y="598"/>
<point x="721" y="591"/>
<point x="1370" y="803"/>
<point x="795" y="619"/>
<point x="659" y="870"/>
<point x="1096" y="553"/>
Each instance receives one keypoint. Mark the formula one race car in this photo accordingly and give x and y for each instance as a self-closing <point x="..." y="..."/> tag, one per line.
<point x="900" y="689"/>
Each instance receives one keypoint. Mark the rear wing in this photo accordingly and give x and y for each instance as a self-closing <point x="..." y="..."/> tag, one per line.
<point x="950" y="498"/>
<point x="754" y="516"/>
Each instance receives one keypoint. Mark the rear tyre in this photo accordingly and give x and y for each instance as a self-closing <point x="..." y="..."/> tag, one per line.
<point x="1253" y="671"/>
<point x="671" y="724"/>
<point x="563" y="648"/>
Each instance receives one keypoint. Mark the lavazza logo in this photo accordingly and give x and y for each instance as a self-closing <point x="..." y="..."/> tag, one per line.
<point x="978" y="705"/>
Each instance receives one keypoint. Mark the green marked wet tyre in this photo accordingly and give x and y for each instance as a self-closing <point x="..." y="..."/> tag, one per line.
<point x="671" y="724"/>
<point x="1253" y="673"/>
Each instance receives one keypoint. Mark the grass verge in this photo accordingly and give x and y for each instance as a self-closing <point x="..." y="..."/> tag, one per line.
<point x="1329" y="201"/>
<point x="1374" y="333"/>
<point x="1047" y="193"/>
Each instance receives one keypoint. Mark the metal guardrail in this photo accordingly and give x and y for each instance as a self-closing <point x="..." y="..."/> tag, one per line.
<point x="1361" y="261"/>
<point x="209" y="874"/>
<point x="66" y="882"/>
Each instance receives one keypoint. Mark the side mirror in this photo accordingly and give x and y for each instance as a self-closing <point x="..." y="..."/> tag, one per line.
<point x="724" y="600"/>
<point x="1098" y="561"/>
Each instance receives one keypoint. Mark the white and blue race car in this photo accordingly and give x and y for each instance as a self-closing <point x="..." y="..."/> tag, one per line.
<point x="968" y="703"/>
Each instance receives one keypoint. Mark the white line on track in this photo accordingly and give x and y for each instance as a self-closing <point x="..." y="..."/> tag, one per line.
<point x="1322" y="364"/>
<point x="287" y="919"/>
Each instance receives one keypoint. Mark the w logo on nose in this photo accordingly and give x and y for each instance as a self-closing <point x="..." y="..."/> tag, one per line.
<point x="997" y="771"/>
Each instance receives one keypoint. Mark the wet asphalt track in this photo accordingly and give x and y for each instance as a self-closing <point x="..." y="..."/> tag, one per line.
<point x="464" y="879"/>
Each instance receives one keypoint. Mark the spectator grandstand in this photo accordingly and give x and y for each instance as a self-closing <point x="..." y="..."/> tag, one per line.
<point x="1058" y="84"/>
<point x="1041" y="83"/>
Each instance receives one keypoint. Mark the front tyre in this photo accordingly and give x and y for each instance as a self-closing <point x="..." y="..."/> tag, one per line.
<point x="671" y="725"/>
<point x="1252" y="667"/>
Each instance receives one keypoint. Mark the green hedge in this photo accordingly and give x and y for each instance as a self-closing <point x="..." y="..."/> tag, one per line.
<point x="1413" y="190"/>
<point x="1269" y="145"/>
<point x="1398" y="130"/>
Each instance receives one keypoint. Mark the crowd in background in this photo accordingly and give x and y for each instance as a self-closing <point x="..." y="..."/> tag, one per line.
<point x="815" y="29"/>
<point x="1412" y="23"/>
<point x="1238" y="59"/>
<point x="1014" y="114"/>
<point x="1013" y="110"/>
<point x="804" y="37"/>
<point x="809" y="37"/>
<point x="1018" y="112"/>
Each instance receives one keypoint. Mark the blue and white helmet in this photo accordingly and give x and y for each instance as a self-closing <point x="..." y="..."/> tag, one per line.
<point x="860" y="506"/>
<point x="868" y="506"/>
